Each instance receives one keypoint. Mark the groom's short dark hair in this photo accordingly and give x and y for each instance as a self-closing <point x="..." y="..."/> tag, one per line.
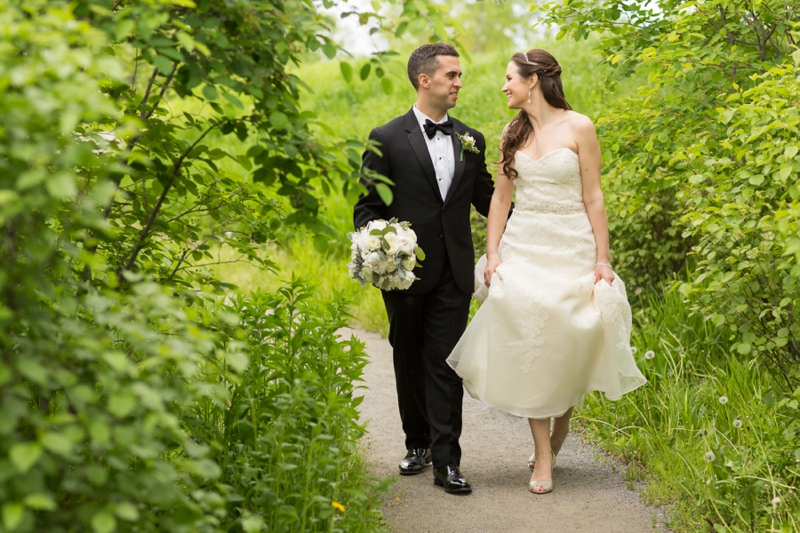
<point x="423" y="60"/>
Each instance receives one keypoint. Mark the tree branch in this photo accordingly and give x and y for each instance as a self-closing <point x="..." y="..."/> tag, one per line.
<point x="157" y="208"/>
<point x="194" y="209"/>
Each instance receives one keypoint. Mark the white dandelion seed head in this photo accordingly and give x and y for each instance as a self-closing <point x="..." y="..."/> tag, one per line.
<point x="723" y="400"/>
<point x="709" y="456"/>
<point x="634" y="349"/>
<point x="649" y="354"/>
<point x="737" y="423"/>
<point x="776" y="501"/>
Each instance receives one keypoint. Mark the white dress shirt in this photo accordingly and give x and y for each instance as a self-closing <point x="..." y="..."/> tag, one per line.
<point x="440" y="147"/>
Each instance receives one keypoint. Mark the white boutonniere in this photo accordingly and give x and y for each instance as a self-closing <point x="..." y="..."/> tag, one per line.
<point x="468" y="144"/>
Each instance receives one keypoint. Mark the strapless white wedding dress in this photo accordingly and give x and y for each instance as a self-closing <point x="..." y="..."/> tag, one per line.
<point x="547" y="334"/>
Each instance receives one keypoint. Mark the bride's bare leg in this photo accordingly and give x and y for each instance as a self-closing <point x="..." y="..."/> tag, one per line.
<point x="540" y="429"/>
<point x="560" y="431"/>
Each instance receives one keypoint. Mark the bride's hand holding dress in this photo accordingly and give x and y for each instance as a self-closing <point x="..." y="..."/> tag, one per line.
<point x="500" y="205"/>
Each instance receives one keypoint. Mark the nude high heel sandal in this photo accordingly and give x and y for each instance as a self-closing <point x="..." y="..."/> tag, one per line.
<point x="532" y="460"/>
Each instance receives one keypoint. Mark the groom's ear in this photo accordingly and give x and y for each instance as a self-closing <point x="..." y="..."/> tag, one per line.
<point x="424" y="80"/>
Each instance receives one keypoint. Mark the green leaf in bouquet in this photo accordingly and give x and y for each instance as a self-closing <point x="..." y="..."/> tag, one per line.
<point x="419" y="253"/>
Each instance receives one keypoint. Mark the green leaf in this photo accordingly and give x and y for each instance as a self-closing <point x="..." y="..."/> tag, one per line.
<point x="385" y="193"/>
<point x="417" y="26"/>
<point x="122" y="404"/>
<point x="401" y="29"/>
<point x="62" y="185"/>
<point x="252" y="524"/>
<point x="104" y="522"/>
<point x="419" y="253"/>
<point x="57" y="443"/>
<point x="364" y="73"/>
<point x="210" y="92"/>
<point x="127" y="511"/>
<point x="279" y="120"/>
<point x="347" y="71"/>
<point x="24" y="456"/>
<point x="40" y="501"/>
<point x="13" y="513"/>
<point x="163" y="64"/>
<point x="329" y="50"/>
<point x="232" y="99"/>
<point x="387" y="85"/>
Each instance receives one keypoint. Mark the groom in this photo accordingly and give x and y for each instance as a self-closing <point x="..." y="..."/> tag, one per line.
<point x="435" y="181"/>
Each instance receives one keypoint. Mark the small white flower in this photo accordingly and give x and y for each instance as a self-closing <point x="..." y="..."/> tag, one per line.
<point x="723" y="400"/>
<point x="709" y="456"/>
<point x="649" y="354"/>
<point x="634" y="350"/>
<point x="409" y="262"/>
<point x="776" y="501"/>
<point x="737" y="423"/>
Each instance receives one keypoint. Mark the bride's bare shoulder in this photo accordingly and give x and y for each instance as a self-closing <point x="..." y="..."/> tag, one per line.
<point x="579" y="122"/>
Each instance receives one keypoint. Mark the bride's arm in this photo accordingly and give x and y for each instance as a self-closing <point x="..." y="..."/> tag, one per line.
<point x="498" y="216"/>
<point x="590" y="160"/>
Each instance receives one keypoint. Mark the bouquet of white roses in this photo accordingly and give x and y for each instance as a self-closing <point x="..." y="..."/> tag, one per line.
<point x="384" y="254"/>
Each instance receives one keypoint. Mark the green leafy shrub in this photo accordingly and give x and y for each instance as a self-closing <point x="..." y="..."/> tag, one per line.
<point x="744" y="187"/>
<point x="286" y="440"/>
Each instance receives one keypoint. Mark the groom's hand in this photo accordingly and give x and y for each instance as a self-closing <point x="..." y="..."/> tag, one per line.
<point x="492" y="262"/>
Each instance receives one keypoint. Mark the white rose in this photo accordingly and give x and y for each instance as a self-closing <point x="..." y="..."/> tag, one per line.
<point x="408" y="276"/>
<point x="392" y="265"/>
<point x="373" y="242"/>
<point x="394" y="243"/>
<point x="376" y="224"/>
<point x="366" y="274"/>
<point x="406" y="245"/>
<point x="409" y="262"/>
<point x="372" y="261"/>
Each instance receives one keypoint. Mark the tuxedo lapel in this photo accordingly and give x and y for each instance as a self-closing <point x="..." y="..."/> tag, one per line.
<point x="420" y="147"/>
<point x="459" y="168"/>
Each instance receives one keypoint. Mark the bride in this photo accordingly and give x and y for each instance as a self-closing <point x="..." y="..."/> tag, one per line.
<point x="556" y="322"/>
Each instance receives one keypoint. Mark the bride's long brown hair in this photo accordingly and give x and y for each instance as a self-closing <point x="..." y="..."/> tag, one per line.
<point x="520" y="129"/>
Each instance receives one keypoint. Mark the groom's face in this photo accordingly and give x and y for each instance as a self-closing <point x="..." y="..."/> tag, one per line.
<point x="445" y="83"/>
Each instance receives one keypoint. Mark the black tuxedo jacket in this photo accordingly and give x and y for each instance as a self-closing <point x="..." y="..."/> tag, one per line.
<point x="442" y="226"/>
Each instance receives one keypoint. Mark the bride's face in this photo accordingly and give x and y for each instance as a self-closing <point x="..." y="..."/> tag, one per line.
<point x="516" y="87"/>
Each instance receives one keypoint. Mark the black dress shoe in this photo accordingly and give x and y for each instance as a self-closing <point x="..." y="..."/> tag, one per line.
<point x="415" y="461"/>
<point x="451" y="478"/>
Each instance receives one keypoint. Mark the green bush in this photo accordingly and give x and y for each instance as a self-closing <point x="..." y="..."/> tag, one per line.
<point x="286" y="439"/>
<point x="739" y="211"/>
<point x="113" y="200"/>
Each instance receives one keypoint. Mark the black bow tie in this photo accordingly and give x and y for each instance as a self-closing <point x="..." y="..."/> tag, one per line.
<point x="445" y="127"/>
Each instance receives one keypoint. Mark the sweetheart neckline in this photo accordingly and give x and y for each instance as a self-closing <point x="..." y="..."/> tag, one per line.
<point x="545" y="155"/>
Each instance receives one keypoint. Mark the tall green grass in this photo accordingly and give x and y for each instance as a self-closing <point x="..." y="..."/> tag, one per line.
<point x="706" y="432"/>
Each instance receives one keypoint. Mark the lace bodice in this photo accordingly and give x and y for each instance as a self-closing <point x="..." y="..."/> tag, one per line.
<point x="551" y="183"/>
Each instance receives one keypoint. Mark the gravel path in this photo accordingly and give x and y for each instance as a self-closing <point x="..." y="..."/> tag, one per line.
<point x="589" y="495"/>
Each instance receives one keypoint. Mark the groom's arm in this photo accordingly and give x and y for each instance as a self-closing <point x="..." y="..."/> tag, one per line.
<point x="484" y="186"/>
<point x="370" y="206"/>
